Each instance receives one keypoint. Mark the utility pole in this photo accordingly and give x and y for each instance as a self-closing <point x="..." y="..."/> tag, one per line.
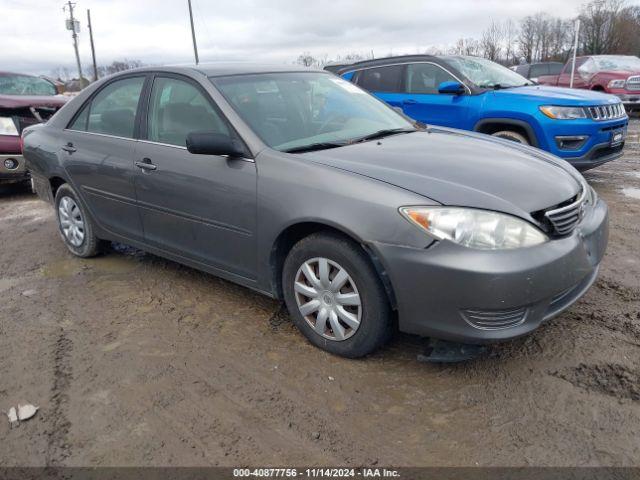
<point x="193" y="34"/>
<point x="93" y="49"/>
<point x="73" y="25"/>
<point x="575" y="52"/>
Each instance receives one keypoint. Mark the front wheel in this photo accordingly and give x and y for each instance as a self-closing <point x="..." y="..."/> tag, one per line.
<point x="335" y="296"/>
<point x="512" y="136"/>
<point x="76" y="227"/>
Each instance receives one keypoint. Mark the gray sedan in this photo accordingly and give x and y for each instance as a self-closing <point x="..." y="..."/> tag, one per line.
<point x="303" y="187"/>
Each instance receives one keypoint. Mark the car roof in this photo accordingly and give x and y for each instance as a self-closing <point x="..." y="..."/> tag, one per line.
<point x="390" y="60"/>
<point x="6" y="74"/>
<point x="228" y="68"/>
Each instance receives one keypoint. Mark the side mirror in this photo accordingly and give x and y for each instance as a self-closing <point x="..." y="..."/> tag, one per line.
<point x="212" y="143"/>
<point x="452" y="88"/>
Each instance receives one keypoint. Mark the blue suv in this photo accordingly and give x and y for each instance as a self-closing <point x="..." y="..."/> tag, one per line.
<point x="585" y="128"/>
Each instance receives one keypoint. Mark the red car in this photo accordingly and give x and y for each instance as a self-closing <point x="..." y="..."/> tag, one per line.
<point x="24" y="100"/>
<point x="616" y="74"/>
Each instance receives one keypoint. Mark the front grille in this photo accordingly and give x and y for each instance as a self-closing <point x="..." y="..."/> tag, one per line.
<point x="633" y="84"/>
<point x="564" y="219"/>
<point x="495" y="319"/>
<point x="606" y="112"/>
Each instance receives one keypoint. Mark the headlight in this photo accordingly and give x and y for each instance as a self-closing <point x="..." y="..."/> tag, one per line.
<point x="7" y="127"/>
<point x="563" y="113"/>
<point x="475" y="228"/>
<point x="620" y="83"/>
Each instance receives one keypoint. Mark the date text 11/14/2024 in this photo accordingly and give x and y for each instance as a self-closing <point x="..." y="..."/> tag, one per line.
<point x="316" y="472"/>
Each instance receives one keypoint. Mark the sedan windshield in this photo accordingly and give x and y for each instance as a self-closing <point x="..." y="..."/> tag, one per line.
<point x="306" y="111"/>
<point x="485" y="73"/>
<point x="25" y="85"/>
<point x="618" y="62"/>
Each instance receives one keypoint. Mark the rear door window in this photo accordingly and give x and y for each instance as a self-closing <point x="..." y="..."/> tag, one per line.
<point x="381" y="79"/>
<point x="113" y="110"/>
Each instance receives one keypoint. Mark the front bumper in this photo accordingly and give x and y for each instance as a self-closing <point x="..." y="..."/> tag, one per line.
<point x="631" y="101"/>
<point x="599" y="146"/>
<point x="16" y="174"/>
<point x="455" y="293"/>
<point x="598" y="155"/>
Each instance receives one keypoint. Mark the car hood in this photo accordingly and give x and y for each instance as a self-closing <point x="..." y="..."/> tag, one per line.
<point x="559" y="96"/>
<point x="20" y="101"/>
<point x="459" y="168"/>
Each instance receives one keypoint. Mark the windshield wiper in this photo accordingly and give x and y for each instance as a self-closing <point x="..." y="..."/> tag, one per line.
<point x="315" y="146"/>
<point x="495" y="86"/>
<point x="383" y="133"/>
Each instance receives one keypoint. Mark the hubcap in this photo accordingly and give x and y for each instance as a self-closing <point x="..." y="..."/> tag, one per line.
<point x="328" y="299"/>
<point x="71" y="221"/>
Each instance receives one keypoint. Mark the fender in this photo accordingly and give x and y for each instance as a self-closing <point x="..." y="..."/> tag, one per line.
<point x="509" y="121"/>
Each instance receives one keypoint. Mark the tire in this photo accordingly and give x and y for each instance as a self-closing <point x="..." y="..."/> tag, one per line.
<point x="71" y="215"/>
<point x="513" y="136"/>
<point x="363" y="285"/>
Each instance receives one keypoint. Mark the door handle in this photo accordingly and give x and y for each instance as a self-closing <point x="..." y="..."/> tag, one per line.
<point x="409" y="102"/>
<point x="146" y="164"/>
<point x="69" y="148"/>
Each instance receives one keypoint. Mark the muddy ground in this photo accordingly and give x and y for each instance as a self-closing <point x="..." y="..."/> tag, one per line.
<point x="135" y="360"/>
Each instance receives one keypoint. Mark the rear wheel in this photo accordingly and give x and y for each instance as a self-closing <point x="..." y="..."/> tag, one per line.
<point x="512" y="136"/>
<point x="76" y="227"/>
<point x="335" y="297"/>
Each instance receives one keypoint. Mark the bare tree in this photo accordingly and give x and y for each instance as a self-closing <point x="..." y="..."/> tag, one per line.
<point x="510" y="32"/>
<point x="599" y="21"/>
<point x="527" y="38"/>
<point x="466" y="46"/>
<point x="491" y="41"/>
<point x="628" y="26"/>
<point x="118" y="66"/>
<point x="306" y="59"/>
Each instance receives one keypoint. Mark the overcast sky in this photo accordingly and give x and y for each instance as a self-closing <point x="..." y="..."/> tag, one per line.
<point x="157" y="31"/>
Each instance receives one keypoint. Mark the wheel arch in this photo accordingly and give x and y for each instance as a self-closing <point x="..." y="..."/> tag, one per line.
<point x="55" y="183"/>
<point x="295" y="232"/>
<point x="492" y="125"/>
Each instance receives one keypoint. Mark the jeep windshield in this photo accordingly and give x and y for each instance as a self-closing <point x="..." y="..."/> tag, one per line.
<point x="484" y="73"/>
<point x="304" y="111"/>
<point x="25" y="85"/>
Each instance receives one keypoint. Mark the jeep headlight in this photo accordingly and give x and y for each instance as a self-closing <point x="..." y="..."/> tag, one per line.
<point x="563" y="113"/>
<point x="475" y="228"/>
<point x="7" y="126"/>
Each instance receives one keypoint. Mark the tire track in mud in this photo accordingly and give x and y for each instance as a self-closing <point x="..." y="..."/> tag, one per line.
<point x="58" y="445"/>
<point x="610" y="379"/>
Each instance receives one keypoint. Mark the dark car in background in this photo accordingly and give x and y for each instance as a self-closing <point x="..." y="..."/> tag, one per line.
<point x="24" y="100"/>
<point x="304" y="187"/>
<point x="533" y="71"/>
<point x="618" y="75"/>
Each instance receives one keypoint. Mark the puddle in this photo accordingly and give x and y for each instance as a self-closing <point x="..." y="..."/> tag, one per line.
<point x="63" y="268"/>
<point x="631" y="192"/>
<point x="110" y="263"/>
<point x="113" y="264"/>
